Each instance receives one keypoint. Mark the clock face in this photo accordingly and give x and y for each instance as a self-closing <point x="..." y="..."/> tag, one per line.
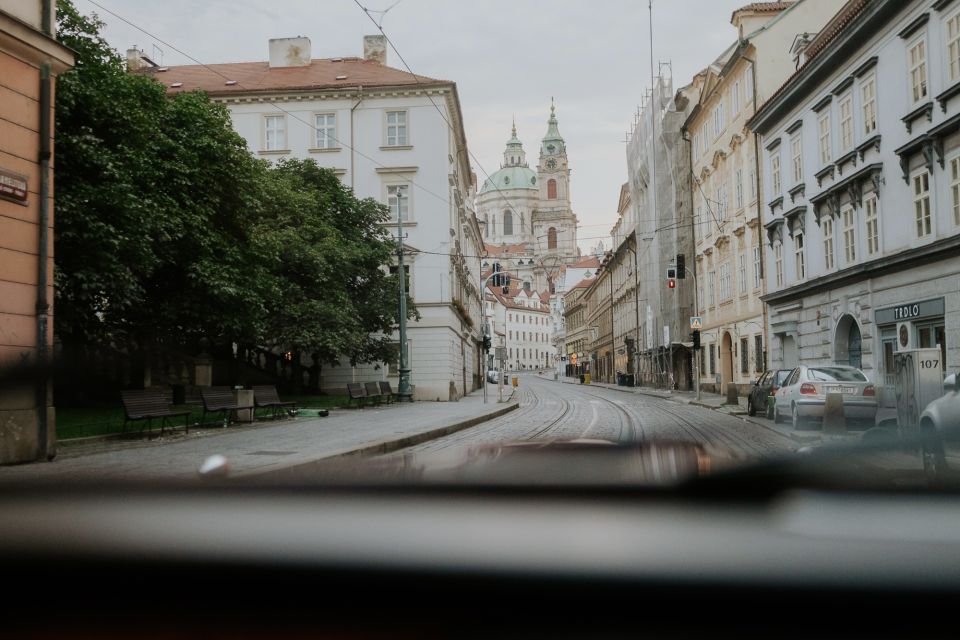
<point x="551" y="164"/>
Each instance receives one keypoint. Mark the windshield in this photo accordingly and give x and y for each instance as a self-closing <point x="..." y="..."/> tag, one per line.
<point x="278" y="236"/>
<point x="835" y="374"/>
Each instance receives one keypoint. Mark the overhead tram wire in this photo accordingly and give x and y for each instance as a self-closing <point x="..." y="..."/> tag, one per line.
<point x="312" y="126"/>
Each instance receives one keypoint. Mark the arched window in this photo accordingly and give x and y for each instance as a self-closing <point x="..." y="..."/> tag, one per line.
<point x="507" y="223"/>
<point x="551" y="189"/>
<point x="552" y="238"/>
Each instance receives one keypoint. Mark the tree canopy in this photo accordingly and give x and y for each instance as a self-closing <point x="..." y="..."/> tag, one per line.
<point x="168" y="229"/>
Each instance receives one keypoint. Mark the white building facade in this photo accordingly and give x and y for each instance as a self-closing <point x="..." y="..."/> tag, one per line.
<point x="864" y="230"/>
<point x="390" y="136"/>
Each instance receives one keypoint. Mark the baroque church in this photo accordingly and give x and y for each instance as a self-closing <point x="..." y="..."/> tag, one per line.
<point x="529" y="227"/>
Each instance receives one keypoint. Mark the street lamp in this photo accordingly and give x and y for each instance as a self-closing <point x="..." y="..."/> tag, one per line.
<point x="483" y="288"/>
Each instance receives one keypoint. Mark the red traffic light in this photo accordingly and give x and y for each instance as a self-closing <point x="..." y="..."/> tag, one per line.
<point x="671" y="283"/>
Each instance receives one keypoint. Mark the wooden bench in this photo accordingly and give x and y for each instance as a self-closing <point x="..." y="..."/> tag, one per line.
<point x="147" y="405"/>
<point x="374" y="392"/>
<point x="355" y="391"/>
<point x="387" y="389"/>
<point x="218" y="400"/>
<point x="266" y="396"/>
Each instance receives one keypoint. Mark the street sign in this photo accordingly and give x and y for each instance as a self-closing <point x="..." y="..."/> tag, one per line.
<point x="696" y="322"/>
<point x="501" y="353"/>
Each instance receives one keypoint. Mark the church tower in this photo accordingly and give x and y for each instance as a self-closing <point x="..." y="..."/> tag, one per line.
<point x="555" y="225"/>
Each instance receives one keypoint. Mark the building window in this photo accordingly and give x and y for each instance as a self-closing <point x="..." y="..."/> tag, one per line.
<point x="953" y="46"/>
<point x="713" y="361"/>
<point x="756" y="268"/>
<point x="275" y="133"/>
<point x="326" y="131"/>
<point x="749" y="86"/>
<point x="775" y="172"/>
<point x="846" y="122"/>
<point x="955" y="185"/>
<point x="744" y="355"/>
<point x="718" y="120"/>
<point x="758" y="351"/>
<point x="753" y="184"/>
<point x="397" y="129"/>
<point x="507" y="223"/>
<point x="868" y="101"/>
<point x="712" y="288"/>
<point x="796" y="151"/>
<point x="917" y="56"/>
<point x="798" y="254"/>
<point x="742" y="276"/>
<point x="406" y="277"/>
<point x="551" y="189"/>
<point x="849" y="235"/>
<point x="398" y="199"/>
<point x="827" y="227"/>
<point x="824" y="126"/>
<point x="724" y="281"/>
<point x="736" y="97"/>
<point x="873" y="229"/>
<point x="921" y="202"/>
<point x="552" y="238"/>
<point x="778" y="261"/>
<point x="738" y="188"/>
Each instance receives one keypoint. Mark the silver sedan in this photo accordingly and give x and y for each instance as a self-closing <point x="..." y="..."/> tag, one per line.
<point x="804" y="394"/>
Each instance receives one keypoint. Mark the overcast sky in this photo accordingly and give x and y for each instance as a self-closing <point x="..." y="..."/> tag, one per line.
<point x="508" y="57"/>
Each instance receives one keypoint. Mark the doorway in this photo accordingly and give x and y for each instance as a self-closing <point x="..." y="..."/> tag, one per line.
<point x="726" y="362"/>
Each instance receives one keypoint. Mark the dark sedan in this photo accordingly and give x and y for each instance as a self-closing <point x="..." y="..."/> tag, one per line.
<point x="768" y="384"/>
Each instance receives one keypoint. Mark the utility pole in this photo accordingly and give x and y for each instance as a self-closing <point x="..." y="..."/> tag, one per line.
<point x="403" y="389"/>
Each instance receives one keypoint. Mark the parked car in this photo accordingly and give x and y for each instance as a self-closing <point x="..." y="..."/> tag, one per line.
<point x="939" y="417"/>
<point x="804" y="394"/>
<point x="493" y="376"/>
<point x="767" y="385"/>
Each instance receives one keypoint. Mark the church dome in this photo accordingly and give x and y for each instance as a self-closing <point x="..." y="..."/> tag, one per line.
<point x="515" y="177"/>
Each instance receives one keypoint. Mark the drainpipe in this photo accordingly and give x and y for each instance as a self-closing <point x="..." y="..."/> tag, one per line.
<point x="756" y="162"/>
<point x="43" y="304"/>
<point x="352" y="143"/>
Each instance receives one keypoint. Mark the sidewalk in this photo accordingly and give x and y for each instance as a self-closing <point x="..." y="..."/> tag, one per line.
<point x="267" y="447"/>
<point x="716" y="402"/>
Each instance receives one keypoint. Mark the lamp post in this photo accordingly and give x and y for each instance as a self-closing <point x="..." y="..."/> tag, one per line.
<point x="403" y="386"/>
<point x="483" y="287"/>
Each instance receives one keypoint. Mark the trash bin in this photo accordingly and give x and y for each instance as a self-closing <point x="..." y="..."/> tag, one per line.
<point x="515" y="381"/>
<point x="586" y="378"/>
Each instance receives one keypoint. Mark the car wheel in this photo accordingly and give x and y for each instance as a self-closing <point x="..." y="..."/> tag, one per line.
<point x="933" y="456"/>
<point x="799" y="422"/>
<point x="751" y="410"/>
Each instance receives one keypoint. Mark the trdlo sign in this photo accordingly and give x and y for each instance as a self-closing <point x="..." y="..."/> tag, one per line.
<point x="13" y="186"/>
<point x="910" y="311"/>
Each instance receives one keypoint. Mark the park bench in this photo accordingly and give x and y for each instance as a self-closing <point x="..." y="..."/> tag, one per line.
<point x="266" y="396"/>
<point x="148" y="404"/>
<point x="374" y="392"/>
<point x="355" y="391"/>
<point x="218" y="400"/>
<point x="387" y="389"/>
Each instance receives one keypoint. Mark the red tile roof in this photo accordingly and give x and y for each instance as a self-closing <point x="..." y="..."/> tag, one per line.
<point x="590" y="262"/>
<point x="259" y="77"/>
<point x="762" y="7"/>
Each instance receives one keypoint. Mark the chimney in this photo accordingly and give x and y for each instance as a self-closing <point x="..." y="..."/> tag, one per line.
<point x="375" y="48"/>
<point x="289" y="52"/>
<point x="134" y="61"/>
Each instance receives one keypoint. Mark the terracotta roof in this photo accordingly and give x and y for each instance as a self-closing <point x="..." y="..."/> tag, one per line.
<point x="583" y="284"/>
<point x="590" y="262"/>
<point x="259" y="77"/>
<point x="762" y="7"/>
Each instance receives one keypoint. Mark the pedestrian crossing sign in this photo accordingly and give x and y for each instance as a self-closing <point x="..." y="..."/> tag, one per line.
<point x="696" y="323"/>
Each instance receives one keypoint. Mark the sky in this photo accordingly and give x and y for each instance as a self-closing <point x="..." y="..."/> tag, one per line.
<point x="508" y="58"/>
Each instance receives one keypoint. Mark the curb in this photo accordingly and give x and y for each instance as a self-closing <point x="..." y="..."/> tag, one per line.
<point x="385" y="446"/>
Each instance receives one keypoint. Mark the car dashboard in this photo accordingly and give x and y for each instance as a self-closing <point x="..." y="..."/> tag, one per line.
<point x="374" y="561"/>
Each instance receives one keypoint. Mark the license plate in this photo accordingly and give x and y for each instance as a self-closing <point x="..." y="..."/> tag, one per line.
<point x="849" y="391"/>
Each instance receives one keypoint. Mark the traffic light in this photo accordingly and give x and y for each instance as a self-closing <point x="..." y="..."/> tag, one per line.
<point x="671" y="283"/>
<point x="681" y="266"/>
<point x="505" y="282"/>
<point x="696" y="339"/>
<point x="671" y="272"/>
<point x="486" y="343"/>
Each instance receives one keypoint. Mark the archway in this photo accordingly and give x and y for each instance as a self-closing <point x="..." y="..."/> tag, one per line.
<point x="726" y="361"/>
<point x="848" y="342"/>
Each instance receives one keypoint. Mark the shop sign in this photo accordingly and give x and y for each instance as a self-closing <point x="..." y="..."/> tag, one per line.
<point x="13" y="186"/>
<point x="910" y="311"/>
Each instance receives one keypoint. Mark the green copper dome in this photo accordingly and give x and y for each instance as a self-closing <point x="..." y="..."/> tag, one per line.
<point x="511" y="178"/>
